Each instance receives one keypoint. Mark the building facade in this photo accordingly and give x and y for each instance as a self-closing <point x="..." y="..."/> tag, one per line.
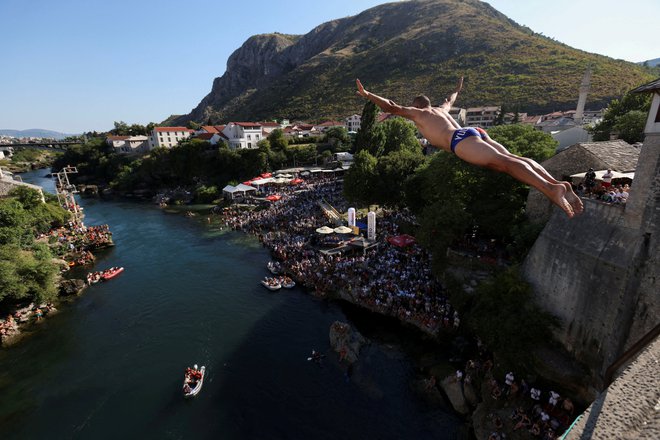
<point x="481" y="116"/>
<point x="243" y="134"/>
<point x="168" y="137"/>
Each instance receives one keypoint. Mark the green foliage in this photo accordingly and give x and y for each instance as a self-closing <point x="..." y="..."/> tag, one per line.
<point x="338" y="139"/>
<point x="503" y="314"/>
<point x="26" y="267"/>
<point x="524" y="140"/>
<point x="360" y="178"/>
<point x="616" y="110"/>
<point x="27" y="275"/>
<point x="278" y="142"/>
<point x="27" y="196"/>
<point x="400" y="135"/>
<point x="123" y="129"/>
<point x="26" y="155"/>
<point x="630" y="126"/>
<point x="393" y="171"/>
<point x="206" y="194"/>
<point x="370" y="136"/>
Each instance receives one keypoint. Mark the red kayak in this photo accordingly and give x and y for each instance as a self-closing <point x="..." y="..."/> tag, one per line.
<point x="111" y="273"/>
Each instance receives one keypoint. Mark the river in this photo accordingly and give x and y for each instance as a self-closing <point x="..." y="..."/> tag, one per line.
<point x="110" y="364"/>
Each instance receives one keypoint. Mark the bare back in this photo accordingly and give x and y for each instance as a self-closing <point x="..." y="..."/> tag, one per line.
<point x="435" y="124"/>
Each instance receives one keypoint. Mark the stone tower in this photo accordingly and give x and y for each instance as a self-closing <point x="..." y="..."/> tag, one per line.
<point x="582" y="100"/>
<point x="599" y="273"/>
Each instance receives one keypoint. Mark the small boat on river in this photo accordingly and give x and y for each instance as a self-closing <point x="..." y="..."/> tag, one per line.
<point x="287" y="282"/>
<point x="111" y="273"/>
<point x="274" y="267"/>
<point x="193" y="381"/>
<point x="271" y="283"/>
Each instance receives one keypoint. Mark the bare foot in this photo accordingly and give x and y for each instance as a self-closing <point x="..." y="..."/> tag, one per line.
<point x="557" y="195"/>
<point x="573" y="199"/>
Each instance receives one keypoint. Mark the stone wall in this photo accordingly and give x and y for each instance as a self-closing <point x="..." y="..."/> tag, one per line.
<point x="7" y="184"/>
<point x="598" y="272"/>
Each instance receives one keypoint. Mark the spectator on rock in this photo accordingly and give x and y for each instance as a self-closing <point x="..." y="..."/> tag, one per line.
<point x="554" y="398"/>
<point x="535" y="394"/>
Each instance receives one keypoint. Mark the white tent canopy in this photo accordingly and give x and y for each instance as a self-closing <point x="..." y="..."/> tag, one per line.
<point x="343" y="230"/>
<point x="599" y="175"/>
<point x="260" y="182"/>
<point x="325" y="230"/>
<point x="245" y="188"/>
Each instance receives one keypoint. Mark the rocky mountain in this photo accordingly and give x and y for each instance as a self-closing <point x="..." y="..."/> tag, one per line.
<point x="34" y="132"/>
<point x="400" y="50"/>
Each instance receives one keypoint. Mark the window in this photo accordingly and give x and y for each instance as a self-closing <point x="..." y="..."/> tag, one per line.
<point x="256" y="136"/>
<point x="249" y="144"/>
<point x="249" y="136"/>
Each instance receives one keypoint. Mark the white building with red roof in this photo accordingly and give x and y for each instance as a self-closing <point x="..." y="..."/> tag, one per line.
<point x="168" y="137"/>
<point x="352" y="123"/>
<point x="243" y="134"/>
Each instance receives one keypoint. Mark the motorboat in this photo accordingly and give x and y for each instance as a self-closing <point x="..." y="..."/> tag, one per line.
<point x="193" y="381"/>
<point x="111" y="273"/>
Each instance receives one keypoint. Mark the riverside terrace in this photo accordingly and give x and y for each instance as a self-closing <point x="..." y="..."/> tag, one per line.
<point x="385" y="279"/>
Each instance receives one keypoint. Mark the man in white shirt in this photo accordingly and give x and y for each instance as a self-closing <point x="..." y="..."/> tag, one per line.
<point x="607" y="178"/>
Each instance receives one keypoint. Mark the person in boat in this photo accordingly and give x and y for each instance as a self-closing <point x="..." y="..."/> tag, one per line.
<point x="473" y="145"/>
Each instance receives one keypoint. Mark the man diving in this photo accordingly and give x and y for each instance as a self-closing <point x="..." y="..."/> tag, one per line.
<point x="473" y="145"/>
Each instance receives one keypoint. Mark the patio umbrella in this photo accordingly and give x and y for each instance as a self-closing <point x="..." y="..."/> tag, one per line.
<point x="343" y="230"/>
<point x="325" y="230"/>
<point x="296" y="181"/>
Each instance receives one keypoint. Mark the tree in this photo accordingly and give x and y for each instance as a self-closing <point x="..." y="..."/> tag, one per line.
<point x="630" y="126"/>
<point x="393" y="172"/>
<point x="360" y="178"/>
<point x="617" y="108"/>
<point x="28" y="197"/>
<point x="399" y="136"/>
<point x="121" y="128"/>
<point x="524" y="140"/>
<point x="278" y="142"/>
<point x="370" y="136"/>
<point x="338" y="139"/>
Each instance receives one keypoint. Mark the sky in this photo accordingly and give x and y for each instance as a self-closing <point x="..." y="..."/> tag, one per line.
<point x="79" y="65"/>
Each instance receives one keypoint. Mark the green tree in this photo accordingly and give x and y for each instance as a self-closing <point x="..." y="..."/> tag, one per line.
<point x="630" y="126"/>
<point x="338" y="139"/>
<point x="370" y="136"/>
<point x="616" y="109"/>
<point x="360" y="178"/>
<point x="393" y="171"/>
<point x="278" y="142"/>
<point x="524" y="140"/>
<point x="27" y="196"/>
<point x="400" y="135"/>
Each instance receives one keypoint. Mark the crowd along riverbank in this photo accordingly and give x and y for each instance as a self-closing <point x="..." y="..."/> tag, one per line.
<point x="190" y="294"/>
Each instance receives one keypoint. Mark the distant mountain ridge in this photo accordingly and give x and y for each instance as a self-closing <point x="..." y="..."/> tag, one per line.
<point x="400" y="50"/>
<point x="35" y="132"/>
<point x="652" y="63"/>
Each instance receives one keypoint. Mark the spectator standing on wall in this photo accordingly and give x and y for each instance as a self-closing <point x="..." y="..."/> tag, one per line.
<point x="590" y="180"/>
<point x="607" y="178"/>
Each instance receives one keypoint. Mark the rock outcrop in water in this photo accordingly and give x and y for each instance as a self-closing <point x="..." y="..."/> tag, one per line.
<point x="346" y="341"/>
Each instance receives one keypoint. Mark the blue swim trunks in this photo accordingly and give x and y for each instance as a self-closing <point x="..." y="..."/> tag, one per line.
<point x="461" y="134"/>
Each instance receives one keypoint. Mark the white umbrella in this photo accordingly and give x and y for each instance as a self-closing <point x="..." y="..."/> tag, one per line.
<point x="325" y="230"/>
<point x="343" y="230"/>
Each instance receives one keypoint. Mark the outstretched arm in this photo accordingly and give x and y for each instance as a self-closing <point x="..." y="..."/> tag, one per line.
<point x="386" y="105"/>
<point x="449" y="102"/>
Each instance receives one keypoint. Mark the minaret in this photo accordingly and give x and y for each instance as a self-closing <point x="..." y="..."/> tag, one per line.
<point x="582" y="100"/>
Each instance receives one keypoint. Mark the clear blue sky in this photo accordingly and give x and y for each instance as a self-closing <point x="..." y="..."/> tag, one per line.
<point x="78" y="65"/>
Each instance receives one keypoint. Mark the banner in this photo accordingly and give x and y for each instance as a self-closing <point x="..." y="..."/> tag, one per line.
<point x="351" y="217"/>
<point x="371" y="225"/>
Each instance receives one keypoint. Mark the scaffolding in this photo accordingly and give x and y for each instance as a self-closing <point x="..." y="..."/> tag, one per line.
<point x="65" y="194"/>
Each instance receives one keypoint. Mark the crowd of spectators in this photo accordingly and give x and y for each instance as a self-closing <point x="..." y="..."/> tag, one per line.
<point x="384" y="278"/>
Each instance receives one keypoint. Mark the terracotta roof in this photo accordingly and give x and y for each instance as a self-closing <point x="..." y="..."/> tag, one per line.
<point x="247" y="124"/>
<point x="650" y="87"/>
<point x="209" y="129"/>
<point x="219" y="127"/>
<point x="206" y="136"/>
<point x="269" y="124"/>
<point x="171" y="129"/>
